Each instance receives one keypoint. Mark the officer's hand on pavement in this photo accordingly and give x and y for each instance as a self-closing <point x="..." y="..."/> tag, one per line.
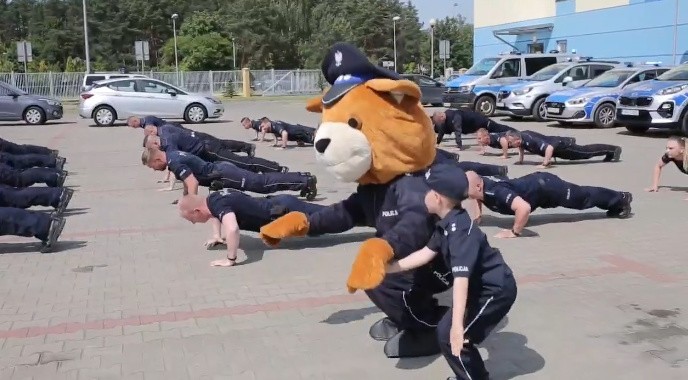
<point x="456" y="338"/>
<point x="543" y="166"/>
<point x="652" y="189"/>
<point x="223" y="263"/>
<point x="505" y="234"/>
<point x="213" y="242"/>
<point x="164" y="181"/>
<point x="165" y="189"/>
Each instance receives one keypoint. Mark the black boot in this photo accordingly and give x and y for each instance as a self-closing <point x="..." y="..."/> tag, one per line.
<point x="383" y="330"/>
<point x="65" y="197"/>
<point x="413" y="344"/>
<point x="56" y="227"/>
<point x="624" y="211"/>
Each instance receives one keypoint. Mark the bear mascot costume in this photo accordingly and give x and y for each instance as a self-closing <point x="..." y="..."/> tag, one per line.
<point x="375" y="132"/>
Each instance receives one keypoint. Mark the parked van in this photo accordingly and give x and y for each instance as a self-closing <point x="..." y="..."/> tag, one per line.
<point x="477" y="89"/>
<point x="91" y="78"/>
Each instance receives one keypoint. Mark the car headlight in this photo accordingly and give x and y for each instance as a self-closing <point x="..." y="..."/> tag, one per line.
<point x="523" y="91"/>
<point x="467" y="88"/>
<point x="672" y="90"/>
<point x="578" y="101"/>
<point x="51" y="102"/>
<point x="213" y="100"/>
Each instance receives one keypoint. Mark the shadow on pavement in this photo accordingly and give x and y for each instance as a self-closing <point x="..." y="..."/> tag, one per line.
<point x="538" y="220"/>
<point x="350" y="315"/>
<point x="35" y="247"/>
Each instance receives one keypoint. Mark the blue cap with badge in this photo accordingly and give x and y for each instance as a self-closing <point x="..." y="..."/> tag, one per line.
<point x="346" y="67"/>
<point x="448" y="180"/>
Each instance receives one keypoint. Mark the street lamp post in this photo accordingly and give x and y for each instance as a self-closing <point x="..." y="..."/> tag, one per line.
<point x="432" y="47"/>
<point x="233" y="54"/>
<point x="86" y="48"/>
<point x="394" y="31"/>
<point x="176" y="59"/>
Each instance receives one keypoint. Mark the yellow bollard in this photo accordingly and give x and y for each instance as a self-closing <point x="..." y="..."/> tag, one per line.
<point x="246" y="82"/>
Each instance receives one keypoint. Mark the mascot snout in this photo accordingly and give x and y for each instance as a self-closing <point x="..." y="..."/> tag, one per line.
<point x="345" y="151"/>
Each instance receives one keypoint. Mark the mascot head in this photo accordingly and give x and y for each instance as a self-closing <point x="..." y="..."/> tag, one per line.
<point x="373" y="126"/>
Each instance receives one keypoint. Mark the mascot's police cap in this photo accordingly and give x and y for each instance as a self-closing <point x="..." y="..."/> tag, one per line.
<point x="448" y="180"/>
<point x="346" y="67"/>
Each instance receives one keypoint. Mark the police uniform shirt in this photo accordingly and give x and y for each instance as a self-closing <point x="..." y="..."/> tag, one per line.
<point x="174" y="139"/>
<point x="255" y="125"/>
<point x="151" y="120"/>
<point x="468" y="254"/>
<point x="183" y="164"/>
<point x="534" y="142"/>
<point x="666" y="159"/>
<point x="494" y="140"/>
<point x="471" y="121"/>
<point x="251" y="213"/>
<point x="498" y="195"/>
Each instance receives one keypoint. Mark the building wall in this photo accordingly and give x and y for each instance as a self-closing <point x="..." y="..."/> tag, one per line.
<point x="629" y="30"/>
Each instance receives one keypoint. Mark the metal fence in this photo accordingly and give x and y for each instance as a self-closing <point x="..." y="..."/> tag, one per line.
<point x="263" y="82"/>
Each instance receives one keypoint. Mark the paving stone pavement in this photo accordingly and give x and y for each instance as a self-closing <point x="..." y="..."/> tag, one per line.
<point x="131" y="295"/>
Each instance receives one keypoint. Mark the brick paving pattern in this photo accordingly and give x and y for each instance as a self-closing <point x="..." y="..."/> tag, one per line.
<point x="131" y="295"/>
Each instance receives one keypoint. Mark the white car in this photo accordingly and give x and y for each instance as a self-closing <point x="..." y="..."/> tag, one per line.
<point x="118" y="99"/>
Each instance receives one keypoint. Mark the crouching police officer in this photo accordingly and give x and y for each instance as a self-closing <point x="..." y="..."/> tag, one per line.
<point x="27" y="177"/>
<point x="12" y="148"/>
<point x="232" y="211"/>
<point x="44" y="227"/>
<point x="521" y="196"/>
<point x="480" y="168"/>
<point x="193" y="171"/>
<point x="32" y="160"/>
<point x="559" y="147"/>
<point x="287" y="132"/>
<point x="56" y="197"/>
<point x="463" y="121"/>
<point x="484" y="288"/>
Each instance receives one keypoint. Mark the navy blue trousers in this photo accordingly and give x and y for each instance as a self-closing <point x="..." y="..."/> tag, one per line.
<point x="19" y="222"/>
<point x="26" y="161"/>
<point x="29" y="196"/>
<point x="12" y="148"/>
<point x="302" y="133"/>
<point x="479" y="168"/>
<point x="27" y="177"/>
<point x="481" y="317"/>
<point x="292" y="203"/>
<point x="266" y="183"/>
<point x="558" y="193"/>
<point x="216" y="150"/>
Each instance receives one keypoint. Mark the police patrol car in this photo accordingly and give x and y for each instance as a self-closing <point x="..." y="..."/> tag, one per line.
<point x="595" y="101"/>
<point x="660" y="103"/>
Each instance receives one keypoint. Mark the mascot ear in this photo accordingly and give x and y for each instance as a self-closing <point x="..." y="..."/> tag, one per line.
<point x="315" y="104"/>
<point x="396" y="87"/>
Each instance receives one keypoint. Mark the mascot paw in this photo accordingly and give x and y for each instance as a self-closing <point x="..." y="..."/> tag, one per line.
<point x="293" y="224"/>
<point x="369" y="268"/>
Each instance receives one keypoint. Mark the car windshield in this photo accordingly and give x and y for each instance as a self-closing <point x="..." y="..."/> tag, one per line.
<point x="548" y="72"/>
<point x="677" y="73"/>
<point x="610" y="79"/>
<point x="483" y="66"/>
<point x="14" y="90"/>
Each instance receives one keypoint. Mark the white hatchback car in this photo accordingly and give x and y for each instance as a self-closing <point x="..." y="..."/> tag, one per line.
<point x="118" y="99"/>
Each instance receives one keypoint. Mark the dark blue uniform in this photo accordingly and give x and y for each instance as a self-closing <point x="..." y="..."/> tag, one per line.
<point x="31" y="160"/>
<point x="666" y="159"/>
<point x="491" y="289"/>
<point x="566" y="147"/>
<point x="252" y="213"/>
<point x="212" y="149"/>
<point x="183" y="165"/>
<point x="152" y="120"/>
<point x="478" y="167"/>
<point x="466" y="121"/>
<point x="27" y="177"/>
<point x="26" y="197"/>
<point x="295" y="132"/>
<point x="546" y="190"/>
<point x="12" y="148"/>
<point x="495" y="140"/>
<point x="42" y="226"/>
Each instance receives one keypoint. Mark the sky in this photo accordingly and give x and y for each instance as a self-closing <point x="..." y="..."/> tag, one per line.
<point x="428" y="9"/>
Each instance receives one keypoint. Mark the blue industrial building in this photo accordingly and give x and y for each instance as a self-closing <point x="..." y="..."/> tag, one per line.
<point x="626" y="30"/>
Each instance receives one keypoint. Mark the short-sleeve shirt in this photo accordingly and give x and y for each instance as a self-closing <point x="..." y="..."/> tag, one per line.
<point x="255" y="125"/>
<point x="534" y="142"/>
<point x="279" y="126"/>
<point x="494" y="140"/>
<point x="151" y="120"/>
<point x="499" y="195"/>
<point x="666" y="159"/>
<point x="468" y="254"/>
<point x="172" y="138"/>
<point x="184" y="164"/>
<point x="251" y="213"/>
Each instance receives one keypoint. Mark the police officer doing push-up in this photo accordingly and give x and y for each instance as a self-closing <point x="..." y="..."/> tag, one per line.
<point x="44" y="227"/>
<point x="463" y="121"/>
<point x="56" y="197"/>
<point x="559" y="147"/>
<point x="521" y="196"/>
<point x="27" y="177"/>
<point x="677" y="153"/>
<point x="478" y="167"/>
<point x="231" y="211"/>
<point x="214" y="143"/>
<point x="495" y="140"/>
<point x="287" y="132"/>
<point x="484" y="288"/>
<point x="32" y="160"/>
<point x="193" y="171"/>
<point x="247" y="123"/>
<point x="12" y="148"/>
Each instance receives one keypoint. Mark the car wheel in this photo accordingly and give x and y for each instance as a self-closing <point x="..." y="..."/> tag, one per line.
<point x="195" y="113"/>
<point x="539" y="111"/>
<point x="605" y="116"/>
<point x="485" y="105"/>
<point x="684" y="122"/>
<point x="34" y="115"/>
<point x="637" y="130"/>
<point x="104" y="116"/>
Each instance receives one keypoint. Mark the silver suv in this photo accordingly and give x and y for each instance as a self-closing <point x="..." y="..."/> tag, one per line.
<point x="527" y="97"/>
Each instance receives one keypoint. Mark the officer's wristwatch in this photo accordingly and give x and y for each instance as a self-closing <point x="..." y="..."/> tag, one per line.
<point x="515" y="233"/>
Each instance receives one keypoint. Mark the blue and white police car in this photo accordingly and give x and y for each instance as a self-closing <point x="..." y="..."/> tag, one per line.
<point x="595" y="101"/>
<point x="661" y="103"/>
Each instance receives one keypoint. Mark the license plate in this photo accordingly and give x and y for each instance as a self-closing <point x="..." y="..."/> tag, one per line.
<point x="630" y="112"/>
<point x="553" y="110"/>
<point x="500" y="104"/>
